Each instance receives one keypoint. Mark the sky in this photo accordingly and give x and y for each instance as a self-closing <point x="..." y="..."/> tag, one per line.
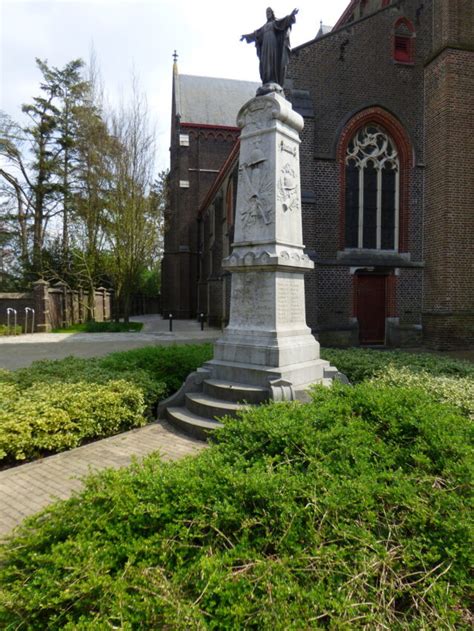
<point x="140" y="36"/>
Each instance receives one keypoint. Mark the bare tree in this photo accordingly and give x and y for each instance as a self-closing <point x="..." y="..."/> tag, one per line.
<point x="16" y="188"/>
<point x="133" y="217"/>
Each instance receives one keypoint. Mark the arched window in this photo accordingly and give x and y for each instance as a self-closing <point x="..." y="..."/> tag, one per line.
<point x="372" y="196"/>
<point x="404" y="41"/>
<point x="374" y="139"/>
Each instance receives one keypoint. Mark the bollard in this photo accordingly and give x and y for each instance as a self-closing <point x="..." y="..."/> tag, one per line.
<point x="10" y="311"/>
<point x="27" y="311"/>
<point x="171" y="321"/>
<point x="202" y="321"/>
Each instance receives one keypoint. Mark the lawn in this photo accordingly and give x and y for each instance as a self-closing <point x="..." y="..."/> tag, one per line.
<point x="101" y="327"/>
<point x="353" y="511"/>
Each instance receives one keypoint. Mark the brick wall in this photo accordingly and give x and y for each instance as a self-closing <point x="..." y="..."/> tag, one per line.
<point x="55" y="306"/>
<point x="448" y="297"/>
<point x="213" y="249"/>
<point x="353" y="70"/>
<point x="197" y="164"/>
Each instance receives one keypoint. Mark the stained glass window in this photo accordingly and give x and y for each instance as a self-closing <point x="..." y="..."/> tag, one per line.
<point x="372" y="190"/>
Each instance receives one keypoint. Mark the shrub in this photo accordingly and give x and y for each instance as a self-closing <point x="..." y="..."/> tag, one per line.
<point x="458" y="392"/>
<point x="348" y="512"/>
<point x="76" y="370"/>
<point x="360" y="364"/>
<point x="50" y="418"/>
<point x="10" y="330"/>
<point x="55" y="405"/>
<point x="102" y="327"/>
<point x="168" y="364"/>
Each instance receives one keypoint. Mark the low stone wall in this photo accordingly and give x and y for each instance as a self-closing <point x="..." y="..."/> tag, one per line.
<point x="55" y="307"/>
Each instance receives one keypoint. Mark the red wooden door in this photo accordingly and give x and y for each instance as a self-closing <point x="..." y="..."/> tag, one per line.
<point x="370" y="308"/>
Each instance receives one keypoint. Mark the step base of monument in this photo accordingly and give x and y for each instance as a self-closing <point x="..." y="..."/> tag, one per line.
<point x="191" y="423"/>
<point x="300" y="375"/>
<point x="235" y="392"/>
<point x="200" y="413"/>
<point x="206" y="397"/>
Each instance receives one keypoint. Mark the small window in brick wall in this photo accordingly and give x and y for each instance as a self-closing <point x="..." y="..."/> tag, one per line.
<point x="372" y="196"/>
<point x="404" y="42"/>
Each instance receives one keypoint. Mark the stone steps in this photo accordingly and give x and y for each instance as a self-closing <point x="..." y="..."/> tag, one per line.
<point x="201" y="411"/>
<point x="191" y="423"/>
<point x="236" y="392"/>
<point x="209" y="407"/>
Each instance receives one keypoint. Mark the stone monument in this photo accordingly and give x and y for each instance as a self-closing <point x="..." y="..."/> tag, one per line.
<point x="267" y="352"/>
<point x="267" y="342"/>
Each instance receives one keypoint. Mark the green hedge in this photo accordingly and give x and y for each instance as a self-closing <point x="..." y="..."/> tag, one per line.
<point x="361" y="364"/>
<point x="102" y="327"/>
<point x="352" y="512"/>
<point x="11" y="330"/>
<point x="93" y="371"/>
<point x="56" y="405"/>
<point x="167" y="364"/>
<point x="47" y="418"/>
<point x="455" y="391"/>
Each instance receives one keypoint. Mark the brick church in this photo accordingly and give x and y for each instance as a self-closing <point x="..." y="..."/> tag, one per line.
<point x="387" y="178"/>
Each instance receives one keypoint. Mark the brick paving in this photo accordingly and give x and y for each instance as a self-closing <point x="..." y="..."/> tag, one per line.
<point x="26" y="489"/>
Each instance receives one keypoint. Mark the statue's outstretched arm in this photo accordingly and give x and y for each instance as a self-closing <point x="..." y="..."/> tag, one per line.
<point x="287" y="21"/>
<point x="250" y="37"/>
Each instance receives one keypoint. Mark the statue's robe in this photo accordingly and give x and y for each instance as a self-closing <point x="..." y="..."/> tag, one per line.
<point x="273" y="49"/>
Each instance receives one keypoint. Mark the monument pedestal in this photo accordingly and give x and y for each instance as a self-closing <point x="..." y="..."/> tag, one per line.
<point x="267" y="347"/>
<point x="267" y="339"/>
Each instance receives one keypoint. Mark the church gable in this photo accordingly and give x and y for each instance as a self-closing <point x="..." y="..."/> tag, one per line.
<point x="360" y="8"/>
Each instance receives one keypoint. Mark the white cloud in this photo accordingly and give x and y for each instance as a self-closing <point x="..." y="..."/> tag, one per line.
<point x="142" y="34"/>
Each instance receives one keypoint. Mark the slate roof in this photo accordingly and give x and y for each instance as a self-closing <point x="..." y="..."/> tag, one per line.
<point x="211" y="101"/>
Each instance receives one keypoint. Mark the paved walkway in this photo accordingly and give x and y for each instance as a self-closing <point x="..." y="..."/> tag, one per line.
<point x="26" y="489"/>
<point x="22" y="350"/>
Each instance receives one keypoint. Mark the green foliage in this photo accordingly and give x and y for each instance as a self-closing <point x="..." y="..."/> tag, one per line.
<point x="55" y="405"/>
<point x="47" y="418"/>
<point x="351" y="512"/>
<point x="168" y="364"/>
<point x="360" y="364"/>
<point x="10" y="330"/>
<point x="102" y="327"/>
<point x="458" y="392"/>
<point x="73" y="370"/>
<point x="150" y="281"/>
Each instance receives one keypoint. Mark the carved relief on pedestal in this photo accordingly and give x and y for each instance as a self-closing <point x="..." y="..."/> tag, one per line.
<point x="287" y="188"/>
<point x="288" y="148"/>
<point x="256" y="205"/>
<point x="256" y="116"/>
